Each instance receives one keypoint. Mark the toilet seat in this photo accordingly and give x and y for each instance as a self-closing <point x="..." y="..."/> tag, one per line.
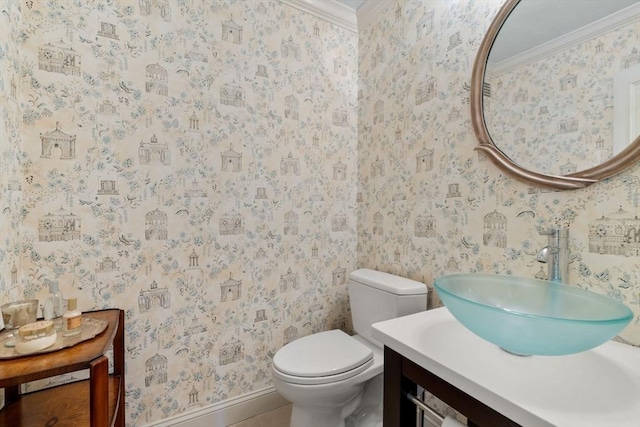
<point x="322" y="358"/>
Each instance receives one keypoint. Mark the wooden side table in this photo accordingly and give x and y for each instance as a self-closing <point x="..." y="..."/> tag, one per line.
<point x="96" y="402"/>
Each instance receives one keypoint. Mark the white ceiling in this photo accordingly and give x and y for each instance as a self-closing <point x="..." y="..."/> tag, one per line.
<point x="536" y="22"/>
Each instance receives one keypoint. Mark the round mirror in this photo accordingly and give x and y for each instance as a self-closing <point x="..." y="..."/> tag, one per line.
<point x="555" y="90"/>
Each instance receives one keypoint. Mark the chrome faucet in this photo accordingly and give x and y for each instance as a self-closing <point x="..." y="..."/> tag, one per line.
<point x="556" y="254"/>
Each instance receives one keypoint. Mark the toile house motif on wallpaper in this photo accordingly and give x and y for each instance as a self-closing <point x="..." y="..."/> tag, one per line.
<point x="231" y="160"/>
<point x="617" y="233"/>
<point x="60" y="226"/>
<point x="231" y="31"/>
<point x="57" y="142"/>
<point x="107" y="188"/>
<point x="154" y="152"/>
<point x="495" y="230"/>
<point x="425" y="226"/>
<point x="59" y="58"/>
<point x="156" y="368"/>
<point x="230" y="289"/>
<point x="154" y="298"/>
<point x="289" y="280"/>
<point x="426" y="91"/>
<point x="156" y="225"/>
<point x="157" y="80"/>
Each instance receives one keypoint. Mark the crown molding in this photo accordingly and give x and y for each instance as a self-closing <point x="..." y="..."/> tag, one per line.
<point x="595" y="29"/>
<point x="369" y="10"/>
<point x="329" y="10"/>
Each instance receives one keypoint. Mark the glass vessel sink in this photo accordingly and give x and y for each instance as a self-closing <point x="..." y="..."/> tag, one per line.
<point x="528" y="316"/>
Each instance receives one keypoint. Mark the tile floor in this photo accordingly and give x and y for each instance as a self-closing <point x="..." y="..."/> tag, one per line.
<point x="276" y="418"/>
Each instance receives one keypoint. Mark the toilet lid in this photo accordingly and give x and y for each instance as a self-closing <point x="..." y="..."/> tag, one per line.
<point x="322" y="354"/>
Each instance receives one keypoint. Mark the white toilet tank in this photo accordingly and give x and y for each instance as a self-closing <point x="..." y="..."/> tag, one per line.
<point x="376" y="296"/>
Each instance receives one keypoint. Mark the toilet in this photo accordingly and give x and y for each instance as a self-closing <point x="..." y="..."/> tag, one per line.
<point x="334" y="379"/>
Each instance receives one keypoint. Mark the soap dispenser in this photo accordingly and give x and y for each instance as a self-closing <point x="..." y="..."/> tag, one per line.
<point x="53" y="302"/>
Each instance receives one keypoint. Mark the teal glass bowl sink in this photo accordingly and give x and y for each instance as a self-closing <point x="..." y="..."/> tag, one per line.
<point x="528" y="316"/>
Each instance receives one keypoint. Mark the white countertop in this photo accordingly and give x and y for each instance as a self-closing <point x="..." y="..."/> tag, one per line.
<point x="599" y="387"/>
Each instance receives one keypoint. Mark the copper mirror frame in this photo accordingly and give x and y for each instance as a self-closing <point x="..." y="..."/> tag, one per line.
<point x="626" y="158"/>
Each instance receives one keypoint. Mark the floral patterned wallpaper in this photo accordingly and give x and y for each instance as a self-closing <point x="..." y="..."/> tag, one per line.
<point x="577" y="113"/>
<point x="216" y="169"/>
<point x="191" y="162"/>
<point x="430" y="205"/>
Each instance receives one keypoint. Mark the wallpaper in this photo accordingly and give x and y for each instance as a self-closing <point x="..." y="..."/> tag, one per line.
<point x="191" y="162"/>
<point x="217" y="168"/>
<point x="430" y="205"/>
<point x="577" y="113"/>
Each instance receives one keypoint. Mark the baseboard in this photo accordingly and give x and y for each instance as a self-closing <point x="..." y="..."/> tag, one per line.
<point x="228" y="412"/>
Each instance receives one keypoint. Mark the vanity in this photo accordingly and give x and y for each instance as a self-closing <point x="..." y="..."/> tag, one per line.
<point x="431" y="349"/>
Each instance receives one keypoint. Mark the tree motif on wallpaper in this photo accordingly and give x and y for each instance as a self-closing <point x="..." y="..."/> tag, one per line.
<point x="60" y="226"/>
<point x="155" y="370"/>
<point x="230" y="289"/>
<point x="156" y="225"/>
<point x="154" y="298"/>
<point x="58" y="141"/>
<point x="495" y="230"/>
<point x="154" y="152"/>
<point x="59" y="58"/>
<point x="157" y="80"/>
<point x="618" y="233"/>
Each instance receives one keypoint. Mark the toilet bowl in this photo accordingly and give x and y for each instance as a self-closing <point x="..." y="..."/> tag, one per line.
<point x="325" y="376"/>
<point x="334" y="379"/>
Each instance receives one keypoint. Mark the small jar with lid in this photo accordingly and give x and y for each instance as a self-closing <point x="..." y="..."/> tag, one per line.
<point x="72" y="319"/>
<point x="36" y="336"/>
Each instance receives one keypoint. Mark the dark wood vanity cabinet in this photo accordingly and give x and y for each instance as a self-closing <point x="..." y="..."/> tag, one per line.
<point x="401" y="375"/>
<point x="96" y="402"/>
